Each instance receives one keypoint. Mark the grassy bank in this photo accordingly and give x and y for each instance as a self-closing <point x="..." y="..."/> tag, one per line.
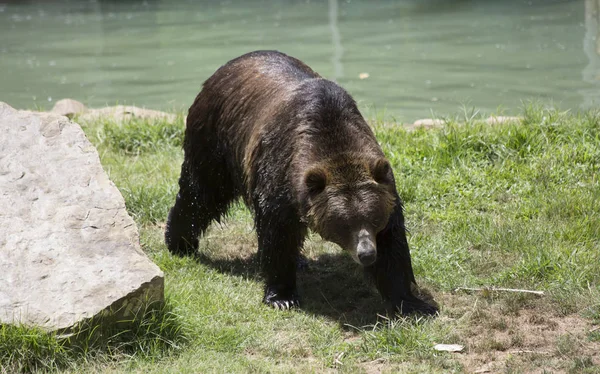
<point x="514" y="205"/>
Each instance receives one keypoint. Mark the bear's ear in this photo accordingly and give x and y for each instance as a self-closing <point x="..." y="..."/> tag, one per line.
<point x="381" y="171"/>
<point x="315" y="180"/>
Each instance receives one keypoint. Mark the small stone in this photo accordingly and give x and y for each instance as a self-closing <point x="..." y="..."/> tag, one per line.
<point x="428" y="122"/>
<point x="499" y="120"/>
<point x="448" y="347"/>
<point x="68" y="108"/>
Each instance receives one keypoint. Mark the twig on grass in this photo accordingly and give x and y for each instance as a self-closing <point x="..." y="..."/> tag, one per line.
<point x="520" y="351"/>
<point x="327" y="301"/>
<point x="490" y="289"/>
<point x="337" y="360"/>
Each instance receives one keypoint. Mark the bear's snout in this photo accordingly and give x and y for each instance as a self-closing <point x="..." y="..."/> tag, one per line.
<point x="366" y="250"/>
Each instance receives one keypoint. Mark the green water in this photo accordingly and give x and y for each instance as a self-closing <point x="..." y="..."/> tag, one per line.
<point x="421" y="56"/>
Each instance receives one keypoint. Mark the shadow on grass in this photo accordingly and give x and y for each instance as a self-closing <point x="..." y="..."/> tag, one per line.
<point x="331" y="286"/>
<point x="153" y="330"/>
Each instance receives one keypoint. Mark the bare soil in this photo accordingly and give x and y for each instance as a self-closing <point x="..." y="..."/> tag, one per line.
<point x="503" y="336"/>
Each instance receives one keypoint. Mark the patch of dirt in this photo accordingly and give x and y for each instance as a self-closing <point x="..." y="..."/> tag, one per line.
<point x="374" y="367"/>
<point x="529" y="338"/>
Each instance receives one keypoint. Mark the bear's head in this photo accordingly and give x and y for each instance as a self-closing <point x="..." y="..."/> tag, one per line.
<point x="349" y="200"/>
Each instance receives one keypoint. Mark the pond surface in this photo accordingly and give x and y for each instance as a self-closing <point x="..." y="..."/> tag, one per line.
<point x="406" y="59"/>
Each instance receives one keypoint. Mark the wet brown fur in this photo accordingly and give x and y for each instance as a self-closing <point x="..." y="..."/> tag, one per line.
<point x="295" y="147"/>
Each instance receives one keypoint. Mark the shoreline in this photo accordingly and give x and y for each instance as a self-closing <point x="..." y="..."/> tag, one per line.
<point x="72" y="108"/>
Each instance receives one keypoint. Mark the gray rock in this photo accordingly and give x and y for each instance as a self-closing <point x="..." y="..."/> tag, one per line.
<point x="427" y="123"/>
<point x="68" y="249"/>
<point x="68" y="107"/>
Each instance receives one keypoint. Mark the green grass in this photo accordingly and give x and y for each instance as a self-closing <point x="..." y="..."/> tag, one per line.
<point x="514" y="205"/>
<point x="150" y="335"/>
<point x="525" y="193"/>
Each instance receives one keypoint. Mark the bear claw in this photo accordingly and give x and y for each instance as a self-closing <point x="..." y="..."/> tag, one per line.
<point x="284" y="304"/>
<point x="279" y="302"/>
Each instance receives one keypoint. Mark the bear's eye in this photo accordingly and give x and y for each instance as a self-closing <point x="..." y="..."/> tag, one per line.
<point x="378" y="223"/>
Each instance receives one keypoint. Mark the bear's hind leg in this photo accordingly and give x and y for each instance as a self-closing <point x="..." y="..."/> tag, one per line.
<point x="204" y="195"/>
<point x="280" y="237"/>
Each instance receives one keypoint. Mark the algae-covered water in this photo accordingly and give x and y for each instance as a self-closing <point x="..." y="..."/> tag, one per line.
<point x="407" y="58"/>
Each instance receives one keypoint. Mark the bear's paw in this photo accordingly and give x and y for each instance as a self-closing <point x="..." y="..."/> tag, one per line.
<point x="281" y="300"/>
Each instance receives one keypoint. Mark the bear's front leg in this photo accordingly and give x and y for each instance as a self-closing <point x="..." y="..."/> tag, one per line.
<point x="394" y="286"/>
<point x="280" y="237"/>
<point x="392" y="272"/>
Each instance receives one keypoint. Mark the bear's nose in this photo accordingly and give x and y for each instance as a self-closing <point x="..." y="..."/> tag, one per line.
<point x="366" y="252"/>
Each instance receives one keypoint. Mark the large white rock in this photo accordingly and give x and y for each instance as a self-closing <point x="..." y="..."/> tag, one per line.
<point x="68" y="249"/>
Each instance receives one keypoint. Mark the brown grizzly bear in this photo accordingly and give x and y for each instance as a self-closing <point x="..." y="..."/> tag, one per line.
<point x="295" y="147"/>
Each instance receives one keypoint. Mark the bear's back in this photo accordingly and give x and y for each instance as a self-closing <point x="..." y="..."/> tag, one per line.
<point x="246" y="92"/>
<point x="259" y="74"/>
